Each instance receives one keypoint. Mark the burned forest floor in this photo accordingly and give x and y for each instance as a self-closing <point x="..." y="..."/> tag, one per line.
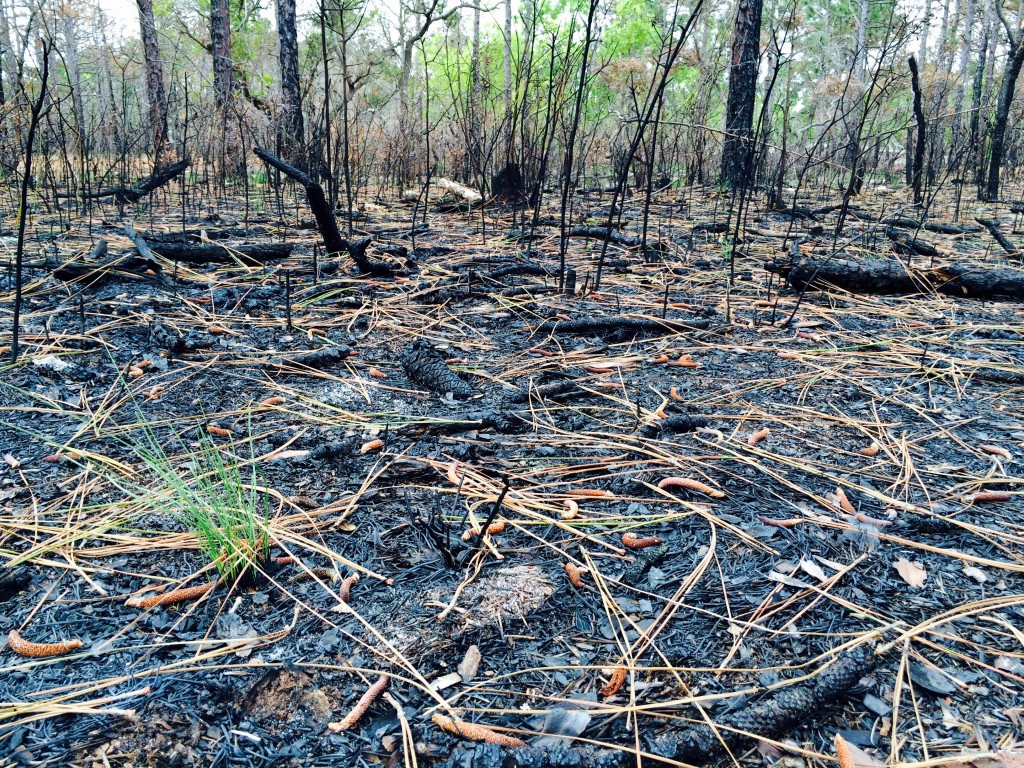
<point x="693" y="516"/>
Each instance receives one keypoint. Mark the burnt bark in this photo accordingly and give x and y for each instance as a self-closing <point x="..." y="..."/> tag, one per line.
<point x="739" y="110"/>
<point x="292" y="128"/>
<point x="155" y="91"/>
<point x="220" y="43"/>
<point x="631" y="325"/>
<point x="160" y="176"/>
<point x="993" y="229"/>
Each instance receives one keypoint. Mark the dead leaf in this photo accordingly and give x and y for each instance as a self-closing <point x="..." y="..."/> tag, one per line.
<point x="1014" y="759"/>
<point x="446" y="681"/>
<point x="470" y="664"/>
<point x="768" y="750"/>
<point x="976" y="573"/>
<point x="852" y="756"/>
<point x="912" y="573"/>
<point x="811" y="568"/>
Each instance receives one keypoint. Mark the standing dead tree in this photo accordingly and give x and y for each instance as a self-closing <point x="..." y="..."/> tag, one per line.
<point x="1002" y="113"/>
<point x="739" y="109"/>
<point x="915" y="84"/>
<point x="19" y="256"/>
<point x="334" y="243"/>
<point x="291" y="130"/>
<point x="162" y="153"/>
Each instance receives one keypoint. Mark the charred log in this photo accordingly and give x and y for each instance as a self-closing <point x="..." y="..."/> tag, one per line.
<point x="632" y="325"/>
<point x="992" y="225"/>
<point x="892" y="277"/>
<point x="250" y="255"/>
<point x="617" y="238"/>
<point x="906" y="243"/>
<point x="317" y="359"/>
<point x="685" y="422"/>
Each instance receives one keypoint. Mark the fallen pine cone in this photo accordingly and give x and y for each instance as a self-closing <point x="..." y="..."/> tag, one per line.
<point x="169" y="598"/>
<point x="361" y="706"/>
<point x="23" y="647"/>
<point x="475" y="731"/>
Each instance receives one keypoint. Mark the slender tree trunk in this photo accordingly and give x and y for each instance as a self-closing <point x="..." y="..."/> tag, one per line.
<point x="1002" y="114"/>
<point x="570" y="143"/>
<point x="507" y="122"/>
<point x="162" y="152"/>
<point x="292" y="129"/>
<point x="19" y="253"/>
<point x="974" y="151"/>
<point x="739" y="110"/>
<point x="966" y="39"/>
<point x="6" y="59"/>
<point x="475" y="105"/>
<point x="915" y="82"/>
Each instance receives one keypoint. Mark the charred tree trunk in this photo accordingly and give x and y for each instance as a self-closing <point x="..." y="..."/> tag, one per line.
<point x="915" y="83"/>
<point x="162" y="153"/>
<point x="739" y="110"/>
<point x="1002" y="114"/>
<point x="220" y="42"/>
<point x="292" y="129"/>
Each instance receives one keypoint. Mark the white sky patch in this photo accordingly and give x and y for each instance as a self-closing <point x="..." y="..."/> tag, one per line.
<point x="124" y="14"/>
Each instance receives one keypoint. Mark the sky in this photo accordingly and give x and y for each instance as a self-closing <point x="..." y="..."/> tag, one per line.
<point x="124" y="14"/>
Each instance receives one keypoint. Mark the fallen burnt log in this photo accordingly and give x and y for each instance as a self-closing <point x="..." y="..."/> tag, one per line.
<point x="908" y="244"/>
<point x="502" y="421"/>
<point x="554" y="389"/>
<point x="700" y="743"/>
<point x="425" y="366"/>
<point x="250" y="255"/>
<point x="683" y="422"/>
<point x="893" y="277"/>
<point x="317" y="359"/>
<point x="93" y="274"/>
<point x="617" y="238"/>
<point x="159" y="177"/>
<point x="938" y="227"/>
<point x="629" y="324"/>
<point x="993" y="229"/>
<point x="333" y="241"/>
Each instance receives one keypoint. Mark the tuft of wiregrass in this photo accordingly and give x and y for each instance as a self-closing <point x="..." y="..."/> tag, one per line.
<point x="219" y="501"/>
